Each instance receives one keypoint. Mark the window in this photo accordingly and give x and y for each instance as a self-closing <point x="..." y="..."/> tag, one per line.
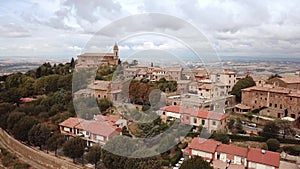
<point x="255" y="101"/>
<point x="275" y="105"/>
<point x="291" y="98"/>
<point x="187" y="117"/>
<point x="203" y="122"/>
<point x="270" y="105"/>
<point x="214" y="123"/>
<point x="195" y="120"/>
<point x="164" y="113"/>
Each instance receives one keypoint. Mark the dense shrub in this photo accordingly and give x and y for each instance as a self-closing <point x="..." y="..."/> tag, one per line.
<point x="292" y="150"/>
<point x="176" y="158"/>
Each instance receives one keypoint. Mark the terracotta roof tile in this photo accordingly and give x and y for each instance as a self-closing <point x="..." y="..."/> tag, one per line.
<point x="267" y="158"/>
<point x="100" y="128"/>
<point x="71" y="122"/>
<point x="291" y="79"/>
<point x="206" y="145"/>
<point x="233" y="150"/>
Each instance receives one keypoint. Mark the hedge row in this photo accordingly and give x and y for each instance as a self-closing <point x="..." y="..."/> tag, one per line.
<point x="261" y="139"/>
<point x="288" y="141"/>
<point x="247" y="138"/>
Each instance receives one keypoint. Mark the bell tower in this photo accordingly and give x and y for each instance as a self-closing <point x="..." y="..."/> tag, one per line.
<point x="116" y="50"/>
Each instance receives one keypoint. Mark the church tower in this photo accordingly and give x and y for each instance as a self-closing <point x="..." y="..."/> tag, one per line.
<point x="116" y="50"/>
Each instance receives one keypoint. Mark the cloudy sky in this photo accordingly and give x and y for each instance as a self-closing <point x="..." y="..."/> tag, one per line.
<point x="64" y="28"/>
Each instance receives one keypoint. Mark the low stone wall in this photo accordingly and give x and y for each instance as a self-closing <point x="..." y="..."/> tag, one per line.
<point x="39" y="157"/>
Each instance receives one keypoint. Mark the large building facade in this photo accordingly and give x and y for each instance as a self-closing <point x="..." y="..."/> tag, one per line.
<point x="281" y="102"/>
<point x="89" y="60"/>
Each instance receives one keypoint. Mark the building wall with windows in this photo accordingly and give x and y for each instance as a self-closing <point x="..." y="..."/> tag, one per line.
<point x="282" y="101"/>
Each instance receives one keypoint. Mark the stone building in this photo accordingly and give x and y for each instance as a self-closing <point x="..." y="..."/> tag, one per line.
<point x="280" y="102"/>
<point x="292" y="82"/>
<point x="174" y="73"/>
<point x="88" y="60"/>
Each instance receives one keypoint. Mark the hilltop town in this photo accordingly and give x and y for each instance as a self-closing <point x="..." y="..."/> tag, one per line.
<point x="92" y="105"/>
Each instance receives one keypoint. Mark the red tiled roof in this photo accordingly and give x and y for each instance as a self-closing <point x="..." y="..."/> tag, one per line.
<point x="27" y="99"/>
<point x="194" y="112"/>
<point x="268" y="158"/>
<point x="206" y="145"/>
<point x="233" y="150"/>
<point x="71" y="122"/>
<point x="103" y="127"/>
<point x="100" y="128"/>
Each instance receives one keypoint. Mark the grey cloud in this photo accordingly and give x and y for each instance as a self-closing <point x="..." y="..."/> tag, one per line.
<point x="13" y="30"/>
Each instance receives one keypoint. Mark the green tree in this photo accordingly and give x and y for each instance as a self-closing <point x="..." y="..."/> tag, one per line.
<point x="152" y="162"/>
<point x="151" y="129"/>
<point x="273" y="144"/>
<point x="13" y="118"/>
<point x="285" y="127"/>
<point x="273" y="76"/>
<point x="55" y="142"/>
<point x="94" y="154"/>
<point x="39" y="134"/>
<point x="5" y="110"/>
<point x="242" y="84"/>
<point x="118" y="145"/>
<point x="238" y="124"/>
<point x="104" y="104"/>
<point x="270" y="130"/>
<point x="221" y="136"/>
<point x="74" y="148"/>
<point x="72" y="63"/>
<point x="22" y="127"/>
<point x="230" y="123"/>
<point x="195" y="163"/>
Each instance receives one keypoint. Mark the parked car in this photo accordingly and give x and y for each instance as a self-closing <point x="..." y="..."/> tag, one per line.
<point x="243" y="123"/>
<point x="252" y="124"/>
<point x="297" y="137"/>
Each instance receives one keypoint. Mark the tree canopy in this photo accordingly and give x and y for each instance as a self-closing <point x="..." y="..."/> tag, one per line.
<point x="74" y="148"/>
<point x="273" y="144"/>
<point x="55" y="141"/>
<point x="242" y="84"/>
<point x="39" y="134"/>
<point x="94" y="154"/>
<point x="195" y="163"/>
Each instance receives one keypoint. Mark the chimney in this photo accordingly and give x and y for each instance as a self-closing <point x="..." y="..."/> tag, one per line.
<point x="263" y="151"/>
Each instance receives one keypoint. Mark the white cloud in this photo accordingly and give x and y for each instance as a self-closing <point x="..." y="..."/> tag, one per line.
<point x="250" y="27"/>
